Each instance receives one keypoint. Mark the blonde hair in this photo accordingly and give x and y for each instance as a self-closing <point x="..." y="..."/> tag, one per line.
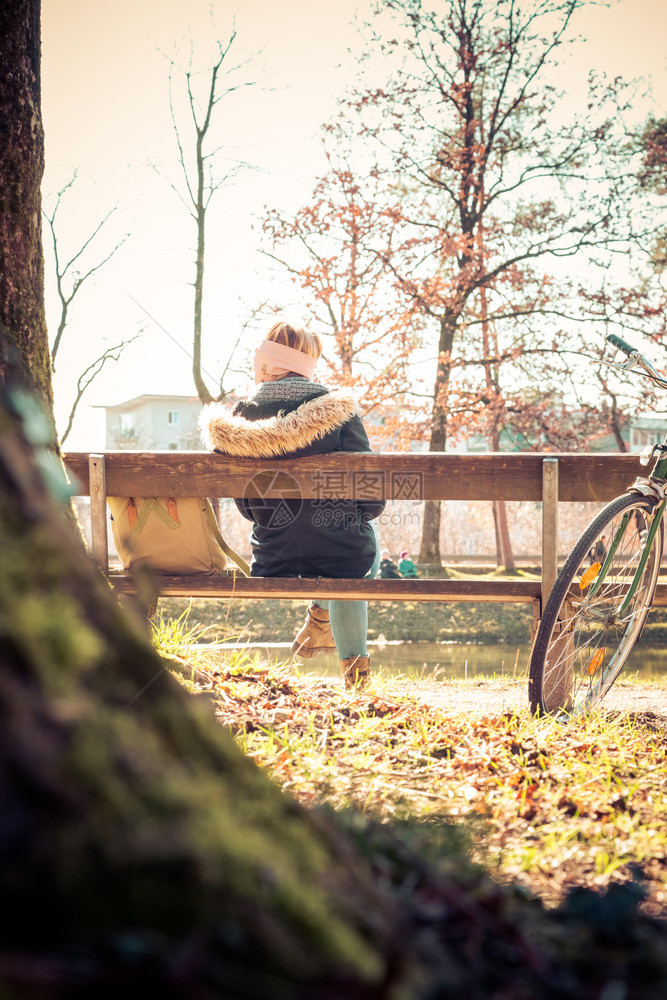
<point x="297" y="338"/>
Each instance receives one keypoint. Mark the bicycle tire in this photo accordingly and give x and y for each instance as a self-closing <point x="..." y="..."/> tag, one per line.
<point x="584" y="639"/>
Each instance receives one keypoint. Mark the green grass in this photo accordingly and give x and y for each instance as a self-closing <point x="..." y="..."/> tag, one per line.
<point x="546" y="805"/>
<point x="426" y="621"/>
<point x="176" y="636"/>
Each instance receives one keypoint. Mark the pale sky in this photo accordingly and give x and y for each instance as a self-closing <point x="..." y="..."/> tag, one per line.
<point x="105" y="106"/>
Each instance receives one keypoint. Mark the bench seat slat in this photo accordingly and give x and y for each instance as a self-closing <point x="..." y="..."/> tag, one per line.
<point x="298" y="588"/>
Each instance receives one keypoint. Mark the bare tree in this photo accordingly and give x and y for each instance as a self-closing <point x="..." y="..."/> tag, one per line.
<point x="69" y="280"/>
<point x="198" y="168"/>
<point x="88" y="376"/>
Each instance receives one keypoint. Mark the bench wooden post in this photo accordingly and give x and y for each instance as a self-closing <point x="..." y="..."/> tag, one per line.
<point x="549" y="525"/>
<point x="98" y="510"/>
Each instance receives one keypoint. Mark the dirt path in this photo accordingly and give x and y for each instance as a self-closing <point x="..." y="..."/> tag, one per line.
<point x="498" y="694"/>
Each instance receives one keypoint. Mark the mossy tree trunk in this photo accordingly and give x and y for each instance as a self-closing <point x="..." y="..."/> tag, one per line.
<point x="126" y="805"/>
<point x="24" y="354"/>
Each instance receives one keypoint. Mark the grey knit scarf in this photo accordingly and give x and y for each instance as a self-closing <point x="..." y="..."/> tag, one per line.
<point x="284" y="396"/>
<point x="289" y="390"/>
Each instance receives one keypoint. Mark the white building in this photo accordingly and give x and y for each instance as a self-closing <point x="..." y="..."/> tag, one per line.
<point x="154" y="423"/>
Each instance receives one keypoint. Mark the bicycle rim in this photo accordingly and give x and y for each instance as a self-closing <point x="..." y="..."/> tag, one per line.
<point x="597" y="608"/>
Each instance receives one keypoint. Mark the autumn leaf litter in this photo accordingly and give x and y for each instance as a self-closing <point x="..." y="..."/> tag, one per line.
<point x="545" y="805"/>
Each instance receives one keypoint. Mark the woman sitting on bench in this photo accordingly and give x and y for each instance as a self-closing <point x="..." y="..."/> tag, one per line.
<point x="290" y="416"/>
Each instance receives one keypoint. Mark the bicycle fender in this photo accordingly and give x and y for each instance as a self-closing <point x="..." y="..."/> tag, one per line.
<point x="648" y="488"/>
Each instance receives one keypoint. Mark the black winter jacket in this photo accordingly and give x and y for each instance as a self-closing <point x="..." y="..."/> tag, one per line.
<point x="289" y="419"/>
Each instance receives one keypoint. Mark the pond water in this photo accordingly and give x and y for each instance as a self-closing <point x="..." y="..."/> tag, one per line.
<point x="433" y="659"/>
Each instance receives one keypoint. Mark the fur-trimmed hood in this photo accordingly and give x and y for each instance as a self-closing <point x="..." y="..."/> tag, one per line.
<point x="283" y="434"/>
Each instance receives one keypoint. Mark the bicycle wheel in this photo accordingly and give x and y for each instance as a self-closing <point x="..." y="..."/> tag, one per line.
<point x="597" y="608"/>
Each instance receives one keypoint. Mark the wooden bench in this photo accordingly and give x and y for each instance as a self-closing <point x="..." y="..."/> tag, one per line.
<point x="548" y="479"/>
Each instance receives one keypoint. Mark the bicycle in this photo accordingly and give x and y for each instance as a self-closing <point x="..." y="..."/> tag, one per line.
<point x="602" y="596"/>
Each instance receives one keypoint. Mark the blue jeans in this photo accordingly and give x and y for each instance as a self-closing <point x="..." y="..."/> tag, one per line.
<point x="349" y="619"/>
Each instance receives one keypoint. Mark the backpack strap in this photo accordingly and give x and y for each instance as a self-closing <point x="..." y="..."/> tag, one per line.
<point x="227" y="549"/>
<point x="150" y="506"/>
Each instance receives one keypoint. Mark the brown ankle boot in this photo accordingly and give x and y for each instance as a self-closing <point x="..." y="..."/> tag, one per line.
<point x="356" y="671"/>
<point x="314" y="636"/>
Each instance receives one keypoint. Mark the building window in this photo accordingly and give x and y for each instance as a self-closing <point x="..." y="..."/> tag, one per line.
<point x="644" y="438"/>
<point x="173" y="417"/>
<point x="127" y="424"/>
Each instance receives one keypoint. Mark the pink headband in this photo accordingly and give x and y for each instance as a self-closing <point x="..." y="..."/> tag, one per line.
<point x="274" y="360"/>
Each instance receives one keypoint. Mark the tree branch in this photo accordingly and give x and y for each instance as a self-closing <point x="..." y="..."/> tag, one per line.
<point x="88" y="376"/>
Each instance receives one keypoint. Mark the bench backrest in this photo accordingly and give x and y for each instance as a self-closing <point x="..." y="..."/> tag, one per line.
<point x="392" y="475"/>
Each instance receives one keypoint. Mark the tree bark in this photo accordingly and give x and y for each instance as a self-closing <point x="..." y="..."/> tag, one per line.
<point x="202" y="389"/>
<point x="616" y="423"/>
<point x="126" y="805"/>
<point x="504" y="554"/>
<point x="24" y="351"/>
<point x="429" y="552"/>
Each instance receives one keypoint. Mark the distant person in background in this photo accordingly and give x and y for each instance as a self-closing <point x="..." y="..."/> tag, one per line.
<point x="388" y="568"/>
<point x="598" y="551"/>
<point x="406" y="567"/>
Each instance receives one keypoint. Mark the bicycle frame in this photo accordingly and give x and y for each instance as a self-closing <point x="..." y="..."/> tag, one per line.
<point x="641" y="565"/>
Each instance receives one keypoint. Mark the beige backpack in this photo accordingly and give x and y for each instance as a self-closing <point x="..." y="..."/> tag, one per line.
<point x="179" y="537"/>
